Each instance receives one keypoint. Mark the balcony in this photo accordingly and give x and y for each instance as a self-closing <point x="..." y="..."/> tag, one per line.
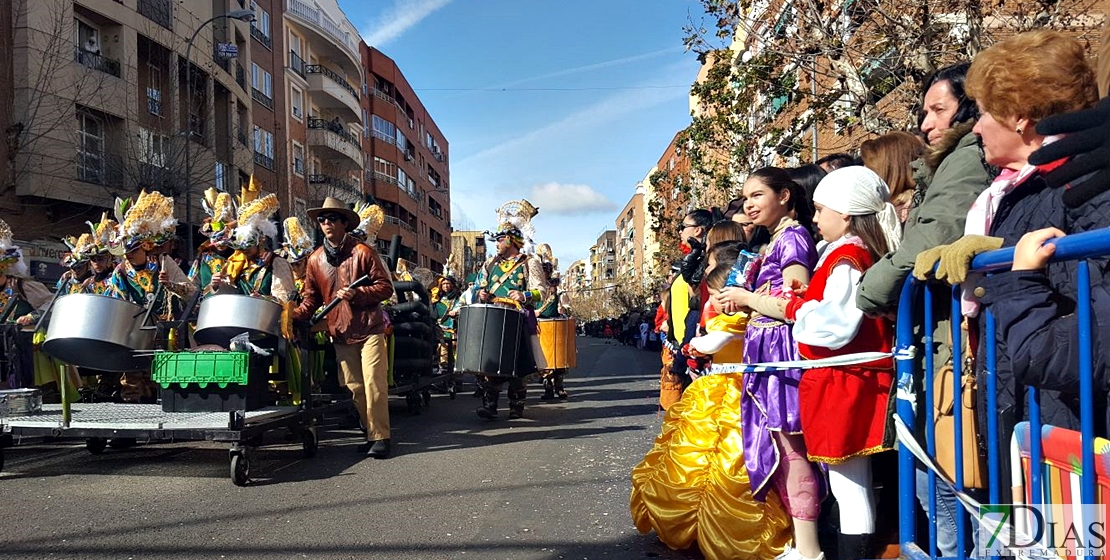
<point x="261" y="38"/>
<point x="380" y="177"/>
<point x="400" y="223"/>
<point x="296" y="63"/>
<point x="389" y="98"/>
<point x="438" y="156"/>
<point x="262" y="98"/>
<point x="437" y="246"/>
<point x="338" y="94"/>
<point x="158" y="11"/>
<point x="240" y="76"/>
<point x="264" y="160"/>
<point x="336" y="143"/>
<point x="319" y="22"/>
<point x="326" y="185"/>
<point x="96" y="61"/>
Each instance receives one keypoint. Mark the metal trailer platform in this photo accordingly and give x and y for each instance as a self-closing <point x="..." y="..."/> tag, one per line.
<point x="97" y="422"/>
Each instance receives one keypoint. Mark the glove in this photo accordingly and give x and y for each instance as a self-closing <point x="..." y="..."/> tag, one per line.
<point x="926" y="261"/>
<point x="692" y="270"/>
<point x="1088" y="144"/>
<point x="956" y="259"/>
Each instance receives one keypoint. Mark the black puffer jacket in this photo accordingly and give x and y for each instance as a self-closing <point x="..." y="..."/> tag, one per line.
<point x="1031" y="206"/>
<point x="1036" y="319"/>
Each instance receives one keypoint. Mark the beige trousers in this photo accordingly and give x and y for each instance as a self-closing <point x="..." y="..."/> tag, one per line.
<point x="362" y="368"/>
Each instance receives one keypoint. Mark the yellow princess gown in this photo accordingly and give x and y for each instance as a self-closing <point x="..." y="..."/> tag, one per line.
<point x="692" y="486"/>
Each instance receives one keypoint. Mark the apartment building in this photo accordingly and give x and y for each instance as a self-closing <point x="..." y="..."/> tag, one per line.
<point x="469" y="251"/>
<point x="666" y="201"/>
<point x="323" y="81"/>
<point x="107" y="97"/>
<point x="576" y="277"/>
<point x="603" y="259"/>
<point x="407" y="164"/>
<point x="630" y="241"/>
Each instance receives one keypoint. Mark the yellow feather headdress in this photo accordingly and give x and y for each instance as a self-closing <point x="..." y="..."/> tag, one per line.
<point x="298" y="244"/>
<point x="148" y="220"/>
<point x="254" y="220"/>
<point x="371" y="217"/>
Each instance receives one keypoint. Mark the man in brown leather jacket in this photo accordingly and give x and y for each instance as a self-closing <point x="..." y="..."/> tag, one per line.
<point x="357" y="325"/>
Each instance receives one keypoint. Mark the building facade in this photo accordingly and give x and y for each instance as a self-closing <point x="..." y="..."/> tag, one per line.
<point x="107" y="97"/>
<point x="630" y="241"/>
<point x="469" y="251"/>
<point x="603" y="260"/>
<point x="406" y="164"/>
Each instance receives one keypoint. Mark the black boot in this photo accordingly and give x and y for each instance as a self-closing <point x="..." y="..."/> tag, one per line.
<point x="488" y="410"/>
<point x="852" y="547"/>
<point x="548" y="389"/>
<point x="559" y="390"/>
<point x="517" y="393"/>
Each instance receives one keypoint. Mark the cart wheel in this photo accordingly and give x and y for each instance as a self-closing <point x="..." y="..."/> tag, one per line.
<point x="426" y="398"/>
<point x="240" y="469"/>
<point x="309" y="444"/>
<point x="96" y="445"/>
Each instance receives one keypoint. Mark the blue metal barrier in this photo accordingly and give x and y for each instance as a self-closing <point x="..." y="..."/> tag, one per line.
<point x="1077" y="247"/>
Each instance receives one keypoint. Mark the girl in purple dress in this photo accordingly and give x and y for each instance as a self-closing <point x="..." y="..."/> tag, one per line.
<point x="774" y="451"/>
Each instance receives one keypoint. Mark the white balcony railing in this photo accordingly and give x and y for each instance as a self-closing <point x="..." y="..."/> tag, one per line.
<point x="313" y="15"/>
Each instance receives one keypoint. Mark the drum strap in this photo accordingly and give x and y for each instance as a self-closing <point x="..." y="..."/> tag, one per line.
<point x="505" y="277"/>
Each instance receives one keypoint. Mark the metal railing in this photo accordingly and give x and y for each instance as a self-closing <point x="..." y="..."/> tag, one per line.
<point x="385" y="96"/>
<point x="262" y="98"/>
<point x="331" y="75"/>
<point x="915" y="405"/>
<point x="311" y="14"/>
<point x="262" y="38"/>
<point x="399" y="222"/>
<point x="222" y="62"/>
<point x="96" y="61"/>
<point x="240" y="75"/>
<point x="335" y="128"/>
<point x="438" y="156"/>
<point x="264" y="160"/>
<point x="385" y="178"/>
<point x="385" y="137"/>
<point x="296" y="63"/>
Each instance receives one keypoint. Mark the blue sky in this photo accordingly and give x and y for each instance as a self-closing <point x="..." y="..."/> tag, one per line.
<point x="591" y="104"/>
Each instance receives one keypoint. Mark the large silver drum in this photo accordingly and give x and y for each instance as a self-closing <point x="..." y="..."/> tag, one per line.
<point x="98" y="332"/>
<point x="225" y="316"/>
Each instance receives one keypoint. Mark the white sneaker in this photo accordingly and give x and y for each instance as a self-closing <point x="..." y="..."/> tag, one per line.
<point x="792" y="553"/>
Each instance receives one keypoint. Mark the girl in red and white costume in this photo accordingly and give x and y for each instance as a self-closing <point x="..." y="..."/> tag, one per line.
<point x="844" y="410"/>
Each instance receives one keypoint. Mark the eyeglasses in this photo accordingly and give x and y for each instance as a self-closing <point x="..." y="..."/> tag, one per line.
<point x="684" y="227"/>
<point x="333" y="218"/>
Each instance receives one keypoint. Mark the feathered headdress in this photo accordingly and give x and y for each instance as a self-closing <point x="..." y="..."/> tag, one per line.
<point x="11" y="257"/>
<point x="254" y="221"/>
<point x="371" y="217"/>
<point x="220" y="207"/>
<point x="149" y="220"/>
<point x="102" y="232"/>
<point x="517" y="215"/>
<point x="298" y="244"/>
<point x="81" y="249"/>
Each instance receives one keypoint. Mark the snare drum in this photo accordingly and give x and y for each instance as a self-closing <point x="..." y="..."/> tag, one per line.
<point x="557" y="339"/>
<point x="488" y="340"/>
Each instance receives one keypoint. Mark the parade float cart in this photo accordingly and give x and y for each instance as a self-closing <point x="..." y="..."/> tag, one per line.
<point x="218" y="396"/>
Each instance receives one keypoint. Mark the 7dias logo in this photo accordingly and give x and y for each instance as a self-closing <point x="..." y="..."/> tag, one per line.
<point x="1041" y="531"/>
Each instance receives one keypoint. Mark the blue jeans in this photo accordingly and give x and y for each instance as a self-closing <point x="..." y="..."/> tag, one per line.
<point x="945" y="518"/>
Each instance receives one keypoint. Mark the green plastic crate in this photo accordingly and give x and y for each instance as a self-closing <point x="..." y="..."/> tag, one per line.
<point x="202" y="368"/>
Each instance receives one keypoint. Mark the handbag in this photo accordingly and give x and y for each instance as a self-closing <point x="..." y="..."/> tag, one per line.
<point x="944" y="423"/>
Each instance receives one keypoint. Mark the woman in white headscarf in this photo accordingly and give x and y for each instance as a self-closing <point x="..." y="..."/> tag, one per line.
<point x="845" y="410"/>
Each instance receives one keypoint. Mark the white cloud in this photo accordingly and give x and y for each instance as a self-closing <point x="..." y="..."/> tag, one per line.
<point x="588" y="67"/>
<point x="559" y="198"/>
<point x="399" y="18"/>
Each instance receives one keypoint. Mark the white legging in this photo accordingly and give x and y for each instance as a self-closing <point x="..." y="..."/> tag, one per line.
<point x="850" y="483"/>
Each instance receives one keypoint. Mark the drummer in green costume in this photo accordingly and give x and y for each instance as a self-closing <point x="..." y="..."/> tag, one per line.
<point x="253" y="269"/>
<point x="213" y="253"/>
<point x="511" y="275"/>
<point x="551" y="308"/>
<point x="446" y="302"/>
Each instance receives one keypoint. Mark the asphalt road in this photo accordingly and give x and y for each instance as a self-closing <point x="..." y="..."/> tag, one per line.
<point x="552" y="485"/>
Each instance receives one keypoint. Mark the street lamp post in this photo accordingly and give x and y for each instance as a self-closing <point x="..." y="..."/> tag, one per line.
<point x="241" y="15"/>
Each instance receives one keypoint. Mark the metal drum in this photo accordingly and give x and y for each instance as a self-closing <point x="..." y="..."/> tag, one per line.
<point x="488" y="340"/>
<point x="18" y="402"/>
<point x="557" y="339"/>
<point x="98" y="332"/>
<point x="225" y="316"/>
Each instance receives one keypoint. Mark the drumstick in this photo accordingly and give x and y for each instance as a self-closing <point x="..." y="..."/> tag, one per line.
<point x="334" y="302"/>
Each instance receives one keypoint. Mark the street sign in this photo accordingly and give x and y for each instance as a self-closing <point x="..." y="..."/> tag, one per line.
<point x="227" y="50"/>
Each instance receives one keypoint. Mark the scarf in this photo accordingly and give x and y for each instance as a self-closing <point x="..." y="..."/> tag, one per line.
<point x="331" y="253"/>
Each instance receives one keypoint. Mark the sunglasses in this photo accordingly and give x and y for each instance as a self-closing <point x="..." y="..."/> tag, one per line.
<point x="684" y="227"/>
<point x="333" y="218"/>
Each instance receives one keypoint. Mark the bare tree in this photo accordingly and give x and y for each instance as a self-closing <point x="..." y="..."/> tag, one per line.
<point x="781" y="73"/>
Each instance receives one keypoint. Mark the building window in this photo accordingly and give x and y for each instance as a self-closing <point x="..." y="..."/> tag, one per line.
<point x="221" y="176"/>
<point x="263" y="147"/>
<point x="296" y="101"/>
<point x="260" y="27"/>
<point x="365" y="123"/>
<point x="153" y="89"/>
<point x="262" y="80"/>
<point x="152" y="148"/>
<point x="90" y="148"/>
<point x="384" y="130"/>
<point x="298" y="158"/>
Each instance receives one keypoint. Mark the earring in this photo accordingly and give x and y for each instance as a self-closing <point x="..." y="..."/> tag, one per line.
<point x="1019" y="130"/>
